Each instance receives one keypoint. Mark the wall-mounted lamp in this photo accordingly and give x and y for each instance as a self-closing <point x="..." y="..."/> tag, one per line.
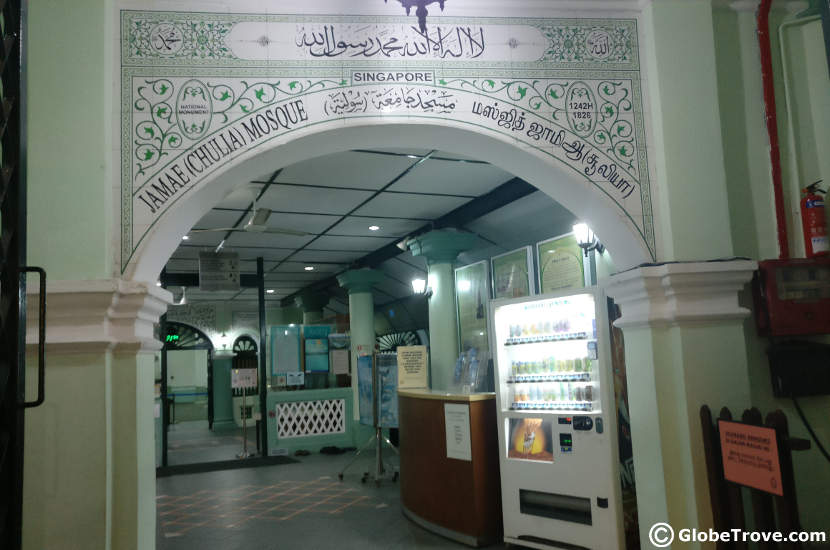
<point x="586" y="239"/>
<point x="223" y="340"/>
<point x="419" y="286"/>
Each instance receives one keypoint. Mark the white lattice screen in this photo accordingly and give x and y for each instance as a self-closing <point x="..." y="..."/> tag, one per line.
<point x="303" y="418"/>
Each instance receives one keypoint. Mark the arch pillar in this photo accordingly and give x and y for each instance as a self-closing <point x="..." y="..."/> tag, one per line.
<point x="441" y="247"/>
<point x="684" y="348"/>
<point x="93" y="436"/>
<point x="312" y="304"/>
<point x="359" y="283"/>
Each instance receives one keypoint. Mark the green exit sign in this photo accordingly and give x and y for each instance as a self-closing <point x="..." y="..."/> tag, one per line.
<point x="171" y="338"/>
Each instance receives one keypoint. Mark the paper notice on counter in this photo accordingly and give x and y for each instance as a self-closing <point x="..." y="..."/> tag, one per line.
<point x="412" y="366"/>
<point x="457" y="426"/>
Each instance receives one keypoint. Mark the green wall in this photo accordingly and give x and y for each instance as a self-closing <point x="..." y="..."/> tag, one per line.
<point x="222" y="399"/>
<point x="804" y="132"/>
<point x="72" y="144"/>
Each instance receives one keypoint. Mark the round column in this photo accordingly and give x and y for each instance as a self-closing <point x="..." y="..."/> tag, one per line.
<point x="312" y="304"/>
<point x="361" y="317"/>
<point x="441" y="247"/>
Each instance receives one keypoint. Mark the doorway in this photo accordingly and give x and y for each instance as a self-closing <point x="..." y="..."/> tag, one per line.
<point x="195" y="392"/>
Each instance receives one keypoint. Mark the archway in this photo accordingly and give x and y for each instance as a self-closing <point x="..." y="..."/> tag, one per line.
<point x="579" y="195"/>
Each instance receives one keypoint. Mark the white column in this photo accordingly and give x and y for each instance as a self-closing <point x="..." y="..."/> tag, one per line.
<point x="684" y="348"/>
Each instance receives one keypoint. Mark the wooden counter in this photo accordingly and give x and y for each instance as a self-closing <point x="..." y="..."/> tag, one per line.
<point x="458" y="499"/>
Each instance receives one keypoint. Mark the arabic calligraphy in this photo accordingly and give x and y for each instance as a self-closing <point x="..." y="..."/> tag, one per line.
<point x="427" y="100"/>
<point x="598" y="44"/>
<point x="376" y="41"/>
<point x="166" y="39"/>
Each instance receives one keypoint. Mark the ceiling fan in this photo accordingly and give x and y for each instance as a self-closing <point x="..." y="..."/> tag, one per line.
<point x="257" y="223"/>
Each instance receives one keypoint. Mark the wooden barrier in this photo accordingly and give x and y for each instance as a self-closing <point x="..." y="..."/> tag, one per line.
<point x="770" y="512"/>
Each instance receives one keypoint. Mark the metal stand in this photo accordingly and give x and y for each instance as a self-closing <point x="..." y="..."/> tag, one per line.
<point x="382" y="469"/>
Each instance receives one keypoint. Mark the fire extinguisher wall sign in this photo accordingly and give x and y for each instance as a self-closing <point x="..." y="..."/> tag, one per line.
<point x="814" y="221"/>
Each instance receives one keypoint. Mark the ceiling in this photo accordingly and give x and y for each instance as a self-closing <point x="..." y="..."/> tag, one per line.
<point x="336" y="198"/>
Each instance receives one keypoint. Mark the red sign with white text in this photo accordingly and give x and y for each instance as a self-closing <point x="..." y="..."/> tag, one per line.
<point x="750" y="456"/>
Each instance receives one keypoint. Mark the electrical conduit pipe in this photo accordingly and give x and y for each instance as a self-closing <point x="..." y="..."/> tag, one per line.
<point x="772" y="126"/>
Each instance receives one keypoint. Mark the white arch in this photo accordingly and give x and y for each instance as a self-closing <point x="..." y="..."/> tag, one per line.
<point x="578" y="195"/>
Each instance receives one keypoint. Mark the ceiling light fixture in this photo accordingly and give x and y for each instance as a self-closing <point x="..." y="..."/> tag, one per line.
<point x="374" y="227"/>
<point x="158" y="283"/>
<point x="270" y="291"/>
<point x="185" y="238"/>
<point x="309" y="268"/>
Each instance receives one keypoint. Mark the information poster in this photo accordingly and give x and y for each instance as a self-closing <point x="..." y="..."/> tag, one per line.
<point x="364" y="389"/>
<point x="457" y="426"/>
<point x="387" y="366"/>
<point x="471" y="296"/>
<point x="513" y="274"/>
<point x="560" y="264"/>
<point x="750" y="456"/>
<point x="218" y="271"/>
<point x="340" y="361"/>
<point x="412" y="367"/>
<point x="243" y="378"/>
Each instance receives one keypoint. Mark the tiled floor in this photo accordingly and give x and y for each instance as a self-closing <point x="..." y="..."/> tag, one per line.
<point x="192" y="442"/>
<point x="301" y="505"/>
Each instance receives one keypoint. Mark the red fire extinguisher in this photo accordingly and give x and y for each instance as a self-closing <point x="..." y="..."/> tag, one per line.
<point x="813" y="221"/>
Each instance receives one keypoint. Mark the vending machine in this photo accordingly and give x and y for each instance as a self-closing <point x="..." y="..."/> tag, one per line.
<point x="557" y="427"/>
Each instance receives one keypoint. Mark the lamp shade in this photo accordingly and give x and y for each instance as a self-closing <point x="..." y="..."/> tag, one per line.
<point x="584" y="235"/>
<point x="419" y="286"/>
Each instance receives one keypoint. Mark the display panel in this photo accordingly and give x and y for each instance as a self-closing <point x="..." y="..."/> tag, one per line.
<point x="548" y="359"/>
<point x="531" y="439"/>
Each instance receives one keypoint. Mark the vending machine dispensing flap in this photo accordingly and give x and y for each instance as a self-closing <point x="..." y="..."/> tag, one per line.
<point x="792" y="297"/>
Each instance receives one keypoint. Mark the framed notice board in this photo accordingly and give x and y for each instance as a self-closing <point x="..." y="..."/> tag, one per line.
<point x="513" y="273"/>
<point x="471" y="296"/>
<point x="560" y="264"/>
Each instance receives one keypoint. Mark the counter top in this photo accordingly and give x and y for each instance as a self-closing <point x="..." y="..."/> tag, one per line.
<point x="424" y="393"/>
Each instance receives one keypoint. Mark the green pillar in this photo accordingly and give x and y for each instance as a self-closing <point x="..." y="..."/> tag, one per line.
<point x="679" y="55"/>
<point x="361" y="317"/>
<point x="441" y="247"/>
<point x="312" y="304"/>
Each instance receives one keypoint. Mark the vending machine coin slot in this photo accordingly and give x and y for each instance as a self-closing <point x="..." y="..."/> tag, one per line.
<point x="583" y="423"/>
<point x="564" y="419"/>
<point x="599" y="425"/>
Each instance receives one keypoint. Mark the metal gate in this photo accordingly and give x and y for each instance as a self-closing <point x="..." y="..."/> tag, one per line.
<point x="13" y="272"/>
